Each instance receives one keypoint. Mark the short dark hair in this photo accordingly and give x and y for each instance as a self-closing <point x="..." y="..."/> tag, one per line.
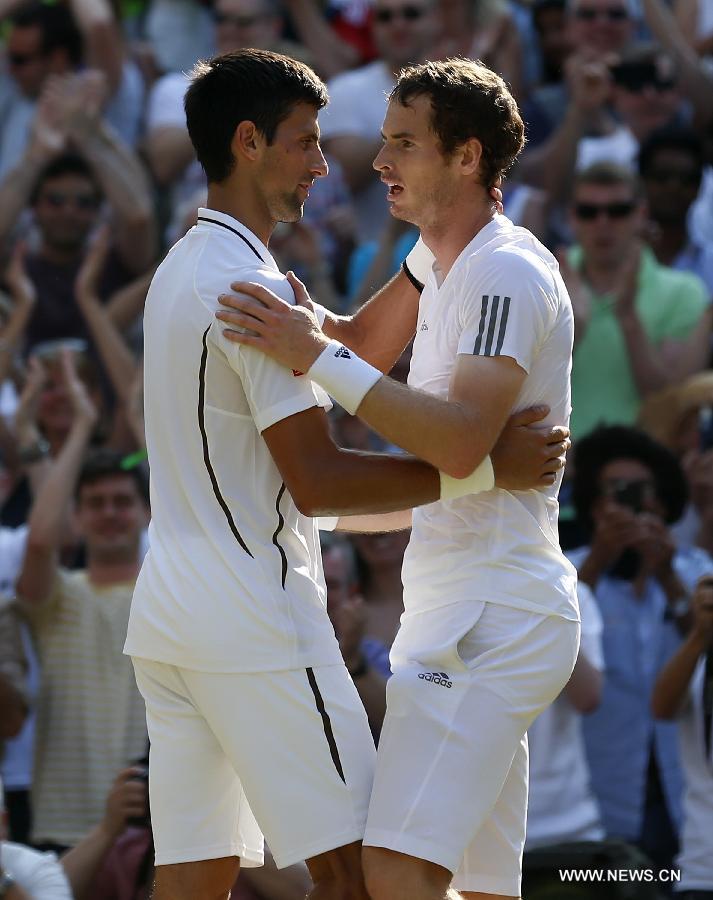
<point x="614" y="442"/>
<point x="105" y="463"/>
<point x="66" y="164"/>
<point x="58" y="26"/>
<point x="684" y="139"/>
<point x="608" y="174"/>
<point x="468" y="100"/>
<point x="245" y="85"/>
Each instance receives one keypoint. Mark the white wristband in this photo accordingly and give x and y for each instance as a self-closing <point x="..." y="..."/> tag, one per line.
<point x="480" y="479"/>
<point x="327" y="523"/>
<point x="420" y="261"/>
<point x="343" y="375"/>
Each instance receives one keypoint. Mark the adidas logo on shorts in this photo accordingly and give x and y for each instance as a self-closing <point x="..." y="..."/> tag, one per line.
<point x="424" y="326"/>
<point x="344" y="353"/>
<point x="437" y="678"/>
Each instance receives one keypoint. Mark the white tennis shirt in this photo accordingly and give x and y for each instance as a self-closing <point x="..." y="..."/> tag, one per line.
<point x="233" y="579"/>
<point x="504" y="296"/>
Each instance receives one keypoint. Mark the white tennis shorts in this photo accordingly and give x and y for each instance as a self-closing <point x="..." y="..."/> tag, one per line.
<point x="234" y="756"/>
<point x="451" y="772"/>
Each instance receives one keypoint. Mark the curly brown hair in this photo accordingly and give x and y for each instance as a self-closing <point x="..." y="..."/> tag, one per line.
<point x="468" y="100"/>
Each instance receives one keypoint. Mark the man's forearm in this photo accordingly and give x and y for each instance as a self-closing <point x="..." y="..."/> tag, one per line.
<point x="435" y="430"/>
<point x="49" y="512"/>
<point x="672" y="684"/>
<point x="649" y="374"/>
<point x="313" y="30"/>
<point x="16" y="189"/>
<point x="381" y="329"/>
<point x="352" y="483"/>
<point x="127" y="190"/>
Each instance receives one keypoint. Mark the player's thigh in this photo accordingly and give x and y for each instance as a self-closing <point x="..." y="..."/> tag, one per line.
<point x="301" y="743"/>
<point x="492" y="861"/>
<point x="198" y="806"/>
<point x="448" y="743"/>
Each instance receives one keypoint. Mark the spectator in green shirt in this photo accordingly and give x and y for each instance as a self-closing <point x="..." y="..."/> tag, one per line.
<point x="639" y="326"/>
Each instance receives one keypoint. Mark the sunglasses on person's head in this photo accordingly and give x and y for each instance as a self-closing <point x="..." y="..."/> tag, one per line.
<point x="409" y="13"/>
<point x="636" y="77"/>
<point x="590" y="211"/>
<point x="57" y="200"/>
<point x="221" y="18"/>
<point x="610" y="13"/>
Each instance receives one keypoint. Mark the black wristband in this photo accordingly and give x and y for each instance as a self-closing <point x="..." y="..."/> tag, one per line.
<point x="411" y="277"/>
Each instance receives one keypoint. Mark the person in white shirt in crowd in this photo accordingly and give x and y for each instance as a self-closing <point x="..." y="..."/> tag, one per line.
<point x="228" y="622"/>
<point x="490" y="632"/>
<point x="561" y="805"/>
<point x="27" y="874"/>
<point x="684" y="692"/>
<point x="404" y="33"/>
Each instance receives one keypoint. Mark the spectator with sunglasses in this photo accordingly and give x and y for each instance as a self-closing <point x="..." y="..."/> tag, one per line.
<point x="405" y="31"/>
<point x="671" y="166"/>
<point x="628" y="490"/>
<point x="635" y="320"/>
<point x="74" y="170"/>
<point x="684" y="692"/>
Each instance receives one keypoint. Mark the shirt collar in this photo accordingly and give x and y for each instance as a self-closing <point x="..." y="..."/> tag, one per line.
<point x="213" y="219"/>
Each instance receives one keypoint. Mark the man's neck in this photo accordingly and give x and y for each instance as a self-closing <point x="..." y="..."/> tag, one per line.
<point x="602" y="277"/>
<point x="242" y="203"/>
<point x="669" y="241"/>
<point x="59" y="256"/>
<point x="447" y="238"/>
<point x="106" y="574"/>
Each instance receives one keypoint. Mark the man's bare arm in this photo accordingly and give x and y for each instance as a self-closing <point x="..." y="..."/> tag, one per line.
<point x="382" y="328"/>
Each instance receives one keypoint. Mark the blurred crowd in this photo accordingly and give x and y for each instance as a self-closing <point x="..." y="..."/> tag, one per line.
<point x="97" y="181"/>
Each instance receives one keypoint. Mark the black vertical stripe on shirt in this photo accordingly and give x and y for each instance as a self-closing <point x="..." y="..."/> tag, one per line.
<point x="326" y="724"/>
<point x="234" y="230"/>
<point x="488" y="323"/>
<point x="491" y="324"/>
<point x="481" y="326"/>
<point x="206" y="452"/>
<point x="280" y="526"/>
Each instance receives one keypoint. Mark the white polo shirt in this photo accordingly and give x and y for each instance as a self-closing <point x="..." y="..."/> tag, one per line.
<point x="233" y="580"/>
<point x="503" y="296"/>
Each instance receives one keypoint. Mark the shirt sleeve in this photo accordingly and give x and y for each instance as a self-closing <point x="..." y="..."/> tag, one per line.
<point x="505" y="310"/>
<point x="592" y="627"/>
<point x="273" y="392"/>
<point x="686" y="308"/>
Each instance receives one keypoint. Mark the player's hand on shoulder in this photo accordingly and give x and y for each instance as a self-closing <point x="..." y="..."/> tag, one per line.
<point x="527" y="456"/>
<point x="258" y="318"/>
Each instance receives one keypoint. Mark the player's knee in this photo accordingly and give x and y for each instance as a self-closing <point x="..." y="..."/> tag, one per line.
<point x="396" y="876"/>
<point x="337" y="875"/>
<point x="209" y="879"/>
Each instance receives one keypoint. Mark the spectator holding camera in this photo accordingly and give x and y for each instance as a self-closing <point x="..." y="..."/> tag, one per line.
<point x="627" y="491"/>
<point x="684" y="692"/>
<point x="90" y="715"/>
<point x="635" y="320"/>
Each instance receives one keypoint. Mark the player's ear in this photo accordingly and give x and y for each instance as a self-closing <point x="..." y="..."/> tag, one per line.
<point x="471" y="154"/>
<point x="246" y="140"/>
